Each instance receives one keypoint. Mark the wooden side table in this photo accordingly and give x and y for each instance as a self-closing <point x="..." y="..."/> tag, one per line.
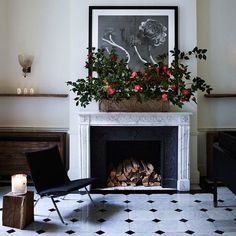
<point x="18" y="211"/>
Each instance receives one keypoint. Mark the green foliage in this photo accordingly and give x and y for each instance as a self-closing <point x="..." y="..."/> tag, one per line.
<point x="111" y="78"/>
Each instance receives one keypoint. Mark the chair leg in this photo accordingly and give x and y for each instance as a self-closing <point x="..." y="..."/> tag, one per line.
<point x="58" y="212"/>
<point x="36" y="202"/>
<point x="89" y="196"/>
<point x="215" y="193"/>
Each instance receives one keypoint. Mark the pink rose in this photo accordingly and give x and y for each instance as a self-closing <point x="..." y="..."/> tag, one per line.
<point x="137" y="87"/>
<point x="108" y="86"/>
<point x="157" y="69"/>
<point x="168" y="72"/>
<point x="146" y="76"/>
<point x="134" y="74"/>
<point x="164" y="68"/>
<point x="185" y="91"/>
<point x="164" y="96"/>
<point x="111" y="91"/>
<point x="174" y="86"/>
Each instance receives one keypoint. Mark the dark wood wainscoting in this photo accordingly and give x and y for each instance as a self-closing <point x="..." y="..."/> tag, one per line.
<point x="13" y="145"/>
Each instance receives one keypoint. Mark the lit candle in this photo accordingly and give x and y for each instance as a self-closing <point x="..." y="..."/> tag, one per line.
<point x="19" y="184"/>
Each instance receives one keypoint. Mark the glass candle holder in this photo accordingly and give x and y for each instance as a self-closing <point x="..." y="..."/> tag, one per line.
<point x="19" y="184"/>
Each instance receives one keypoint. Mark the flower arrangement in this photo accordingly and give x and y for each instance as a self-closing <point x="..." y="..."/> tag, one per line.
<point x="111" y="78"/>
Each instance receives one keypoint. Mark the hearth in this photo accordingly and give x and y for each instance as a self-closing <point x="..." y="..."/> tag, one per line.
<point x="133" y="163"/>
<point x="101" y="135"/>
<point x="156" y="146"/>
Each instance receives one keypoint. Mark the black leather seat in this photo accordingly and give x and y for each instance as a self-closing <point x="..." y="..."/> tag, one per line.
<point x="50" y="177"/>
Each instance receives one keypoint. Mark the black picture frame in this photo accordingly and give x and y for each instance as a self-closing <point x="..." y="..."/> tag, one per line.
<point x="139" y="33"/>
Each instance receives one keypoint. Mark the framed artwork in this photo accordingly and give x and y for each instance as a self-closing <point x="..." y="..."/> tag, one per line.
<point x="140" y="33"/>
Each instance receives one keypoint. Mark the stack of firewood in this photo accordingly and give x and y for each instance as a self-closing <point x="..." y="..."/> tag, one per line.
<point x="132" y="172"/>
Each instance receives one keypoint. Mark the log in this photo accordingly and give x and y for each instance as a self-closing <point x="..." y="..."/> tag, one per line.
<point x="122" y="177"/>
<point x="127" y="166"/>
<point x="119" y="169"/>
<point x="131" y="172"/>
<point x="135" y="165"/>
<point x="145" y="181"/>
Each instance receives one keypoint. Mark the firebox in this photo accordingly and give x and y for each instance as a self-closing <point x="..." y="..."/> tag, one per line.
<point x="134" y="156"/>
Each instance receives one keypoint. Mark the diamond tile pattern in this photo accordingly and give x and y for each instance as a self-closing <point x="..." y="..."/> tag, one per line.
<point x="41" y="231"/>
<point x="139" y="214"/>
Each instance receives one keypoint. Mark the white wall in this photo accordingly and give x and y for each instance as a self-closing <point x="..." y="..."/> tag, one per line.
<point x="79" y="43"/>
<point x="56" y="32"/>
<point x="42" y="29"/>
<point x="3" y="39"/>
<point x="216" y="32"/>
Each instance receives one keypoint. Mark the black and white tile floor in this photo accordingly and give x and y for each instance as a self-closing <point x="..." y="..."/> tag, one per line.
<point x="133" y="214"/>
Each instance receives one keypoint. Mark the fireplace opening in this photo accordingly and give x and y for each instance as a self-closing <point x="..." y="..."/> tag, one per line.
<point x="133" y="163"/>
<point x="152" y="148"/>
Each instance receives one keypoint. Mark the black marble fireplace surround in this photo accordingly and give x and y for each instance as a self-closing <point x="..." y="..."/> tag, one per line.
<point x="113" y="144"/>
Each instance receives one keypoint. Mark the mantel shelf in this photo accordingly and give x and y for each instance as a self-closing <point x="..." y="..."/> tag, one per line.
<point x="59" y="95"/>
<point x="220" y="95"/>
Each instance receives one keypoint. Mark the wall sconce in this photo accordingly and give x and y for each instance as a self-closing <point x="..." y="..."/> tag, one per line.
<point x="19" y="184"/>
<point x="25" y="61"/>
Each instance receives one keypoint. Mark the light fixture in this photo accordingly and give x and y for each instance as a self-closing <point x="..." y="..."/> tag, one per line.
<point x="25" y="61"/>
<point x="19" y="184"/>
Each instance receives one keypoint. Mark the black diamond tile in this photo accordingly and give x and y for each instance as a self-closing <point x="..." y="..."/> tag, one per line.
<point x="234" y="219"/>
<point x="127" y="210"/>
<point x="102" y="210"/>
<point x="178" y="210"/>
<point x="156" y="220"/>
<point x="159" y="232"/>
<point x="41" y="231"/>
<point x="10" y="231"/>
<point x="80" y="201"/>
<point x="0" y="209"/>
<point x="203" y="209"/>
<point x="153" y="210"/>
<point x="150" y="201"/>
<point x="228" y="209"/>
<point x="127" y="201"/>
<point x="210" y="220"/>
<point x="189" y="232"/>
<point x="197" y="201"/>
<point x="103" y="201"/>
<point x="130" y="232"/>
<point x="220" y="200"/>
<point x="101" y="220"/>
<point x="46" y="220"/>
<point x="219" y="232"/>
<point x="174" y="201"/>
<point x="77" y="210"/>
<point x="70" y="232"/>
<point x="183" y="220"/>
<point x="129" y="220"/>
<point x="52" y="209"/>
<point x="56" y="201"/>
<point x="74" y="220"/>
<point x="100" y="232"/>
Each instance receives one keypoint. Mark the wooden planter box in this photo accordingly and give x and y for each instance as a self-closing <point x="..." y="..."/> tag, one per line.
<point x="132" y="105"/>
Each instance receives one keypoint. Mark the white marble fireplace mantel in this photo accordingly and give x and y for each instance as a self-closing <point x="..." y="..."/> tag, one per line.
<point x="179" y="119"/>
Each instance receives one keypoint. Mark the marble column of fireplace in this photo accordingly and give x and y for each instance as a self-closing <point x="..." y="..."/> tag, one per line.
<point x="179" y="119"/>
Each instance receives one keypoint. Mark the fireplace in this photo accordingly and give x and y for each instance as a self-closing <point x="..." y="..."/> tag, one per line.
<point x="102" y="137"/>
<point x="113" y="147"/>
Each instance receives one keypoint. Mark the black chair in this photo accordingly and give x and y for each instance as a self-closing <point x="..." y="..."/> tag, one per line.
<point x="50" y="177"/>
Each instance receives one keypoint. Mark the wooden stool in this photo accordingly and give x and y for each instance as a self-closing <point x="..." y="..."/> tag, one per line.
<point x="18" y="211"/>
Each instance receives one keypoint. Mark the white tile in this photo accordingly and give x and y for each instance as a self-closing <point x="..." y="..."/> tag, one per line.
<point x="115" y="216"/>
<point x="142" y="226"/>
